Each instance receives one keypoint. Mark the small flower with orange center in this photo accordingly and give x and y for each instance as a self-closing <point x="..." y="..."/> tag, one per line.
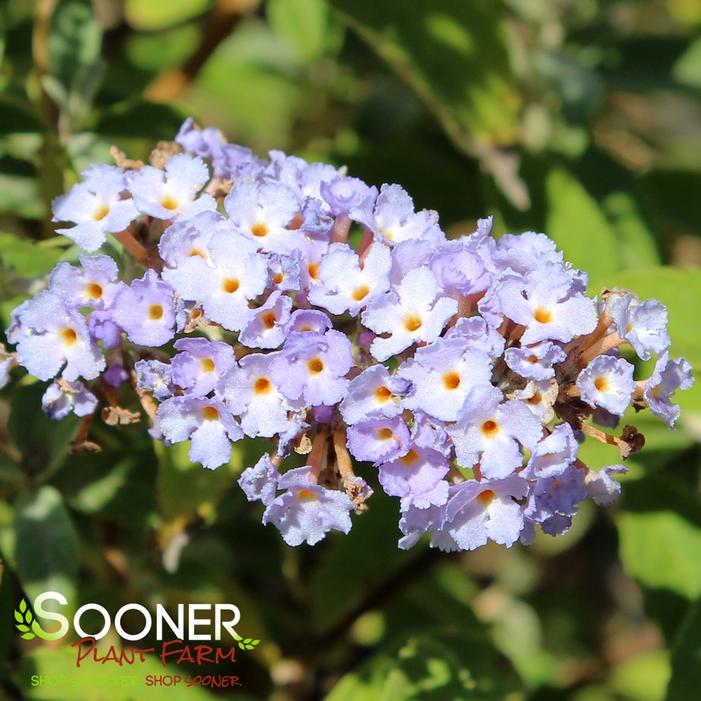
<point x="492" y="432"/>
<point x="345" y="286"/>
<point x="378" y="439"/>
<point x="95" y="206"/>
<point x="200" y="364"/>
<point x="607" y="382"/>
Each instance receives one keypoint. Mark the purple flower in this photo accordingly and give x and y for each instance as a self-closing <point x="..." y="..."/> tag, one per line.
<point x="459" y="270"/>
<point x="173" y="193"/>
<point x="304" y="320"/>
<point x="342" y="194"/>
<point x="393" y="218"/>
<point x="416" y="477"/>
<point x="225" y="283"/>
<point x="535" y="362"/>
<point x="373" y="393"/>
<point x="312" y="366"/>
<point x="540" y="398"/>
<point x="345" y="286"/>
<point x="103" y="328"/>
<point x="490" y="432"/>
<point x="607" y="382"/>
<point x="479" y="335"/>
<point x="378" y="439"/>
<point x="547" y="308"/>
<point x="96" y="206"/>
<point x="642" y="324"/>
<point x="482" y="511"/>
<point x="667" y="377"/>
<point x="601" y="487"/>
<point x="155" y="377"/>
<point x="306" y="512"/>
<point x="63" y="398"/>
<point x="443" y="374"/>
<point x="523" y="253"/>
<point x="93" y="284"/>
<point x="146" y="310"/>
<point x="51" y="336"/>
<point x="284" y="272"/>
<point x="553" y="454"/>
<point x="259" y="483"/>
<point x="415" y="312"/>
<point x="252" y="393"/>
<point x="200" y="364"/>
<point x="189" y="238"/>
<point x="207" y="423"/>
<point x="262" y="213"/>
<point x="267" y="324"/>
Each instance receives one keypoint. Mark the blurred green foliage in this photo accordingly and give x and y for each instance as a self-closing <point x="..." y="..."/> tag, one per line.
<point x="580" y="118"/>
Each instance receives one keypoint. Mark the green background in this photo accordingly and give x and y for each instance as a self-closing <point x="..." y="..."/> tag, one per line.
<point x="578" y="118"/>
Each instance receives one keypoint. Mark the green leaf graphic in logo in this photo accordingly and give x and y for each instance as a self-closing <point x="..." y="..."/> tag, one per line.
<point x="246" y="643"/>
<point x="27" y="624"/>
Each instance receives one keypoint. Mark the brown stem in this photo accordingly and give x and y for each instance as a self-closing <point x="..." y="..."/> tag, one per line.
<point x="365" y="243"/>
<point x="132" y="246"/>
<point x="341" y="227"/>
<point x="604" y="345"/>
<point x="316" y="455"/>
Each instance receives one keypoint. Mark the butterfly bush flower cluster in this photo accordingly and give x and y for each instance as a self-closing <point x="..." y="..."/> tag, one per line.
<point x="238" y="297"/>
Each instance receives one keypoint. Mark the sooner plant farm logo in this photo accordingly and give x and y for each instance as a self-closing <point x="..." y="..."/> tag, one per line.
<point x="195" y="634"/>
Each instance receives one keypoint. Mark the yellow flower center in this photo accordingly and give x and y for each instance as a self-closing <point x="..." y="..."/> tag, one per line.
<point x="230" y="285"/>
<point x="412" y="322"/>
<point x="485" y="497"/>
<point x="169" y="202"/>
<point x="315" y="366"/>
<point x="360" y="292"/>
<point x="306" y="495"/>
<point x="101" y="212"/>
<point x="93" y="291"/>
<point x="601" y="383"/>
<point x="383" y="394"/>
<point x="543" y="316"/>
<point x="207" y="364"/>
<point x="155" y="312"/>
<point x="69" y="336"/>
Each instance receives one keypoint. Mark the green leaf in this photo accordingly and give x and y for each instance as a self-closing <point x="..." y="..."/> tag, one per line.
<point x="28" y="636"/>
<point x="44" y="443"/>
<point x="140" y="119"/>
<point x="73" y="47"/>
<point x="26" y="257"/>
<point x="452" y="53"/>
<point x="46" y="546"/>
<point x="680" y="290"/>
<point x="637" y="243"/>
<point x="578" y="226"/>
<point x="686" y="659"/>
<point x="160" y="14"/>
<point x="303" y="23"/>
<point x="659" y="528"/>
<point x="23" y="605"/>
<point x="18" y="616"/>
<point x="438" y="667"/>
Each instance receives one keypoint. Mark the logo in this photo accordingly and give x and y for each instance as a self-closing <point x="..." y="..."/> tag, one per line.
<point x="188" y="623"/>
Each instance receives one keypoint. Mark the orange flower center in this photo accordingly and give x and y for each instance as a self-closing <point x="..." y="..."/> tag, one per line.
<point x="262" y="385"/>
<point x="360" y="292"/>
<point x="383" y="394"/>
<point x="93" y="290"/>
<point x="543" y="316"/>
<point x="101" y="212"/>
<point x="384" y="434"/>
<point x="259" y="229"/>
<point x="412" y="323"/>
<point x="210" y="413"/>
<point x="155" y="312"/>
<point x="230" y="285"/>
<point x="490" y="428"/>
<point x="451" y="380"/>
<point x="169" y="202"/>
<point x="69" y="336"/>
<point x="268" y="320"/>
<point x="207" y="364"/>
<point x="486" y="497"/>
<point x="315" y="366"/>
